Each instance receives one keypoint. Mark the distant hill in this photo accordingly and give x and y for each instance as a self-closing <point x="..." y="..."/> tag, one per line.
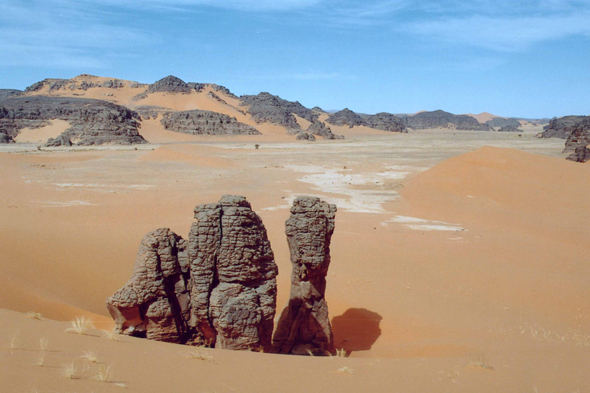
<point x="380" y="121"/>
<point x="561" y="127"/>
<point x="5" y="93"/>
<point x="442" y="119"/>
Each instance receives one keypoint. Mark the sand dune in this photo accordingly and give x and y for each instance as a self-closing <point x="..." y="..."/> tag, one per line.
<point x="416" y="309"/>
<point x="483" y="117"/>
<point x="41" y="135"/>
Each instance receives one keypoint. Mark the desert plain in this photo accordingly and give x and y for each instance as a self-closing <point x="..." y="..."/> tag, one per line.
<point x="459" y="259"/>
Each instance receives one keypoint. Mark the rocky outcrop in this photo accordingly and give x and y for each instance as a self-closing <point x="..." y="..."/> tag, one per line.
<point x="233" y="296"/>
<point x="319" y="128"/>
<point x="503" y="122"/>
<point x="169" y="84"/>
<point x="578" y="140"/>
<point x="318" y="110"/>
<point x="151" y="111"/>
<point x="81" y="82"/>
<point x="217" y="289"/>
<point x="5" y="138"/>
<point x="509" y="129"/>
<point x="304" y="325"/>
<point x="5" y="93"/>
<point x="442" y="119"/>
<point x="61" y="140"/>
<point x="561" y="127"/>
<point x="381" y="121"/>
<point x="386" y="122"/>
<point x="265" y="107"/>
<point x="93" y="122"/>
<point x="345" y="117"/>
<point x="155" y="301"/>
<point x="304" y="136"/>
<point x="581" y="154"/>
<point x="200" y="122"/>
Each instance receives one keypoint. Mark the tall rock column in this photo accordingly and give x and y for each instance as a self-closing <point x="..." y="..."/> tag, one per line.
<point x="304" y="325"/>
<point x="155" y="301"/>
<point x="234" y="275"/>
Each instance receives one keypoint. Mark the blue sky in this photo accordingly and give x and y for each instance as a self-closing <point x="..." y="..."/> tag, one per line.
<point x="512" y="58"/>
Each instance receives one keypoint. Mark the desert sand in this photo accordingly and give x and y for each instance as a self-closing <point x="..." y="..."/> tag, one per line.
<point x="459" y="260"/>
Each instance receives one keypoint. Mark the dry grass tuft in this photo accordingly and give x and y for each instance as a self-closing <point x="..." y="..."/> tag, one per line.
<point x="34" y="315"/>
<point x="14" y="341"/>
<point x="68" y="370"/>
<point x="111" y="335"/>
<point x="120" y="384"/>
<point x="481" y="362"/>
<point x="197" y="354"/>
<point x="40" y="360"/>
<point x="104" y="373"/>
<point x="90" y="355"/>
<point x="341" y="353"/>
<point x="80" y="325"/>
<point x="43" y="344"/>
<point x="345" y="370"/>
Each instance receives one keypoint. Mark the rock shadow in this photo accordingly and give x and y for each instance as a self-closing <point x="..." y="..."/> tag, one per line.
<point x="356" y="330"/>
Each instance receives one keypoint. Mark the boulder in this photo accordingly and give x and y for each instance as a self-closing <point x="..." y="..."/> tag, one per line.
<point x="304" y="325"/>
<point x="155" y="301"/>
<point x="61" y="140"/>
<point x="319" y="128"/>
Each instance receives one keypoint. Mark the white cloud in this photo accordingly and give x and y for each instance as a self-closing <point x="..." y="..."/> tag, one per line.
<point x="502" y="34"/>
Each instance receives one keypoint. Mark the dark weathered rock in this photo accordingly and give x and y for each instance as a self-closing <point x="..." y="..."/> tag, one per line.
<point x="304" y="136"/>
<point x="503" y="122"/>
<point x="81" y="82"/>
<point x="205" y="123"/>
<point x="61" y="140"/>
<point x="151" y="111"/>
<point x="5" y="93"/>
<point x="265" y="107"/>
<point x="5" y="138"/>
<point x="319" y="128"/>
<point x="581" y="154"/>
<point x="442" y="119"/>
<point x="93" y="122"/>
<point x="169" y="84"/>
<point x="386" y="122"/>
<point x="155" y="301"/>
<point x="509" y="129"/>
<point x="217" y="289"/>
<point x="579" y="136"/>
<point x="318" y="109"/>
<point x="234" y="275"/>
<point x="380" y="121"/>
<point x="561" y="127"/>
<point x="304" y="325"/>
<point x="345" y="117"/>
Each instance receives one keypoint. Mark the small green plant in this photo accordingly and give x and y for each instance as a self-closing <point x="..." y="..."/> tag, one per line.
<point x="80" y="325"/>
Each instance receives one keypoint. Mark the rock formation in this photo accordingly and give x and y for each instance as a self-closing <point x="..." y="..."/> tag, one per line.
<point x="155" y="301"/>
<point x="265" y="107"/>
<point x="442" y="119"/>
<point x="5" y="93"/>
<point x="304" y="136"/>
<point x="304" y="325"/>
<point x="169" y="84"/>
<point x="509" y="129"/>
<point x="503" y="122"/>
<point x="319" y="128"/>
<point x="204" y="122"/>
<point x="578" y="141"/>
<point x="218" y="288"/>
<point x="93" y="122"/>
<point x="345" y="117"/>
<point x="381" y="121"/>
<point x="61" y="140"/>
<point x="81" y="82"/>
<point x="561" y="127"/>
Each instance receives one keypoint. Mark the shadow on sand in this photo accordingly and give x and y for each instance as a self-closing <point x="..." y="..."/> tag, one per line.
<point x="356" y="330"/>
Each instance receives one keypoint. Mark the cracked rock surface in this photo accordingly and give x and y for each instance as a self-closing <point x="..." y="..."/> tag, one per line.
<point x="304" y="325"/>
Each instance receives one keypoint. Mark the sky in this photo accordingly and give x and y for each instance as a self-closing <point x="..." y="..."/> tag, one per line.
<point x="523" y="58"/>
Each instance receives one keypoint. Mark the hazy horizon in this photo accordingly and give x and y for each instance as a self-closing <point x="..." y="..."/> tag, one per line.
<point x="516" y="60"/>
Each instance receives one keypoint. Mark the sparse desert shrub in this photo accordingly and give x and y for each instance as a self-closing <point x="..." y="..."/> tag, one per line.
<point x="34" y="315"/>
<point x="43" y="344"/>
<point x="14" y="340"/>
<point x="104" y="373"/>
<point x="345" y="370"/>
<point x="111" y="335"/>
<point x="341" y="352"/>
<point x="481" y="361"/>
<point x="41" y="359"/>
<point x="198" y="354"/>
<point x="80" y="325"/>
<point x="90" y="355"/>
<point x="68" y="370"/>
